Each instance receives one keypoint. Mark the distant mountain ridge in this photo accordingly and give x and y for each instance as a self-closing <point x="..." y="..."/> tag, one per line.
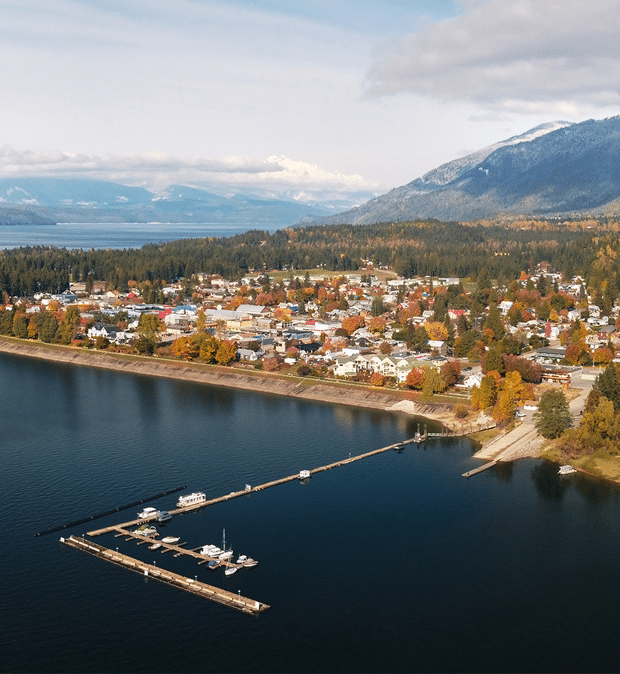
<point x="45" y="200"/>
<point x="557" y="168"/>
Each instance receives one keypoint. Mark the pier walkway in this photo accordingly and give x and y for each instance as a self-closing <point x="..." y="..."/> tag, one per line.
<point x="243" y="492"/>
<point x="192" y="585"/>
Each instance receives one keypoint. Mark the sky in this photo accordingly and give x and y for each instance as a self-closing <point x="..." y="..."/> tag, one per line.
<point x="291" y="96"/>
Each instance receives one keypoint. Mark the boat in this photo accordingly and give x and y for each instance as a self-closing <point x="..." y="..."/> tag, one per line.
<point x="229" y="570"/>
<point x="191" y="499"/>
<point x="148" y="512"/>
<point x="213" y="564"/>
<point x="241" y="559"/>
<point x="155" y="546"/>
<point x="226" y="555"/>
<point x="171" y="539"/>
<point x="566" y="470"/>
<point x="249" y="562"/>
<point x="164" y="516"/>
<point x="145" y="530"/>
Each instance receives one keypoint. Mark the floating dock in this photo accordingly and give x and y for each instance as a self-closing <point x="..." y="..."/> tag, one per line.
<point x="196" y="587"/>
<point x="475" y="471"/>
<point x="274" y="483"/>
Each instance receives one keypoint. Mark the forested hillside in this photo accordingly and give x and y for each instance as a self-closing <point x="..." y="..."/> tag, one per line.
<point x="414" y="248"/>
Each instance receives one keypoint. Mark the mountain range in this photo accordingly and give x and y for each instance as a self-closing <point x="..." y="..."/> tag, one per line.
<point x="557" y="168"/>
<point x="45" y="200"/>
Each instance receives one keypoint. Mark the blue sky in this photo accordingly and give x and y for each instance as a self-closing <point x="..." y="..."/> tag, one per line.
<point x="305" y="96"/>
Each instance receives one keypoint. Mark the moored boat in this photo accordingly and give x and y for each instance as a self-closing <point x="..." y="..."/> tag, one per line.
<point x="249" y="562"/>
<point x="155" y="546"/>
<point x="213" y="564"/>
<point x="191" y="499"/>
<point x="229" y="570"/>
<point x="171" y="539"/>
<point x="145" y="530"/>
<point x="164" y="516"/>
<point x="148" y="512"/>
<point x="566" y="470"/>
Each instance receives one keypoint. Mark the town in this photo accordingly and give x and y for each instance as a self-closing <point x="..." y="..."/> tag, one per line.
<point x="487" y="346"/>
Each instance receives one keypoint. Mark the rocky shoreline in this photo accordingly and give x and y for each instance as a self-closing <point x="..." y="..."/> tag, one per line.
<point x="340" y="393"/>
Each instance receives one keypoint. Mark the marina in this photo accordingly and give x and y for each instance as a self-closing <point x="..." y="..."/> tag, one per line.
<point x="192" y="585"/>
<point x="211" y="555"/>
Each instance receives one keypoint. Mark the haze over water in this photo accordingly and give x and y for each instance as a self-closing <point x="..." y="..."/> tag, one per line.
<point x="394" y="563"/>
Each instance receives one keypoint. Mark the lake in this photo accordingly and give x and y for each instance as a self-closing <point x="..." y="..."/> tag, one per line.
<point x="87" y="235"/>
<point x="391" y="564"/>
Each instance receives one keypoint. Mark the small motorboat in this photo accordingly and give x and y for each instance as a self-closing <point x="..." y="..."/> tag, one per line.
<point x="241" y="559"/>
<point x="171" y="539"/>
<point x="155" y="546"/>
<point x="213" y="564"/>
<point x="164" y="516"/>
<point x="145" y="530"/>
<point x="249" y="562"/>
<point x="230" y="570"/>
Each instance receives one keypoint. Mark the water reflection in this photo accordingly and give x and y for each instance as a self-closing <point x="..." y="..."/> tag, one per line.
<point x="547" y="481"/>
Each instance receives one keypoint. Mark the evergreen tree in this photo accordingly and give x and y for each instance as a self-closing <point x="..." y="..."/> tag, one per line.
<point x="608" y="385"/>
<point x="553" y="416"/>
<point x="494" y="321"/>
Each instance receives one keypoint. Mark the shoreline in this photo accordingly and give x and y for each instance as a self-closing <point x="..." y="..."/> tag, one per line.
<point x="334" y="392"/>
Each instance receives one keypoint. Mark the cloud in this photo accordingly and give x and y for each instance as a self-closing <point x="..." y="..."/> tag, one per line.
<point x="526" y="56"/>
<point x="156" y="170"/>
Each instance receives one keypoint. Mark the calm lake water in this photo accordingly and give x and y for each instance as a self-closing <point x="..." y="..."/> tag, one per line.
<point x="87" y="235"/>
<point x="391" y="564"/>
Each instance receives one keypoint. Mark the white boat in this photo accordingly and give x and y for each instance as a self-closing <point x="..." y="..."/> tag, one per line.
<point x="226" y="555"/>
<point x="164" y="516"/>
<point x="250" y="562"/>
<point x="148" y="512"/>
<point x="191" y="499"/>
<point x="155" y="546"/>
<point x="241" y="559"/>
<point x="145" y="530"/>
<point x="229" y="570"/>
<point x="171" y="539"/>
<point x="566" y="470"/>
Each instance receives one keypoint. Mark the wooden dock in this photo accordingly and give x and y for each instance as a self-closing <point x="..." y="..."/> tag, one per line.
<point x="475" y="471"/>
<point x="192" y="585"/>
<point x="244" y="492"/>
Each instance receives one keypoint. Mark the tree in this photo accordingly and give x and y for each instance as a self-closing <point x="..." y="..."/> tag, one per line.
<point x="150" y="326"/>
<point x="226" y="353"/>
<point x="553" y="416"/>
<point x="608" y="385"/>
<point x="451" y="372"/>
<point x="415" y="378"/>
<point x="494" y="321"/>
<point x="433" y="382"/>
<point x="493" y="361"/>
<point x="377" y="379"/>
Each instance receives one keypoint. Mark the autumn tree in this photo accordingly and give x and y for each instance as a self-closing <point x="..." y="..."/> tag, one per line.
<point x="377" y="379"/>
<point x="433" y="381"/>
<point x="415" y="378"/>
<point x="185" y="348"/>
<point x="451" y="372"/>
<point x="226" y="353"/>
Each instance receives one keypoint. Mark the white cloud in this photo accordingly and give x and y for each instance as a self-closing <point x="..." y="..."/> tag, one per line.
<point x="526" y="56"/>
<point x="156" y="170"/>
